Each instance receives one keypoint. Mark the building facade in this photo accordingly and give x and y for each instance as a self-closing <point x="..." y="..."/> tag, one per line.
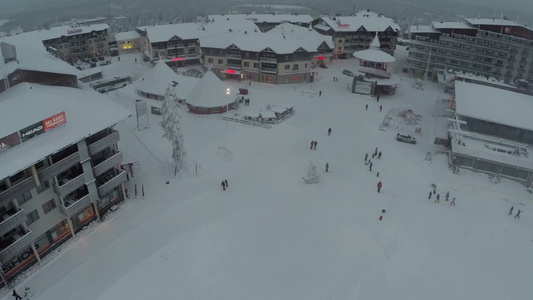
<point x="492" y="48"/>
<point x="77" y="43"/>
<point x="356" y="32"/>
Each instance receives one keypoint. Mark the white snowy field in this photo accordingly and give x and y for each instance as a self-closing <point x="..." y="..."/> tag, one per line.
<point x="271" y="236"/>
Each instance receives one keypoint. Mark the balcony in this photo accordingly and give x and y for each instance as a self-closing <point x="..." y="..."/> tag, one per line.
<point x="269" y="70"/>
<point x="268" y="60"/>
<point x="377" y="72"/>
<point x="234" y="66"/>
<point x="111" y="182"/>
<point x="73" y="206"/>
<point x="111" y="161"/>
<point x="10" y="220"/>
<point x="59" y="167"/>
<point x="18" y="242"/>
<point x="18" y="188"/>
<point x="104" y="142"/>
<point x="68" y="185"/>
<point x="175" y="46"/>
<point x="233" y="56"/>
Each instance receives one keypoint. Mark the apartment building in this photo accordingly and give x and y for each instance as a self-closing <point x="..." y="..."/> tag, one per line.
<point x="266" y="22"/>
<point x="178" y="44"/>
<point x="495" y="48"/>
<point x="61" y="167"/>
<point x="73" y="43"/>
<point x="356" y="32"/>
<point x="286" y="54"/>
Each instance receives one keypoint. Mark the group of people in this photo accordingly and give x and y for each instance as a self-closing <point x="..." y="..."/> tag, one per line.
<point x="313" y="145"/>
<point x="246" y="101"/>
<point x="437" y="197"/>
<point x="27" y="294"/>
<point x="517" y="216"/>
<point x="224" y="184"/>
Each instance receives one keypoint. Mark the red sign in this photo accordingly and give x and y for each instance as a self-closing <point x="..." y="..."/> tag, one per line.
<point x="54" y="121"/>
<point x="9" y="141"/>
<point x="230" y="71"/>
<point x="73" y="31"/>
<point x="320" y="57"/>
<point x="344" y="25"/>
<point x="177" y="58"/>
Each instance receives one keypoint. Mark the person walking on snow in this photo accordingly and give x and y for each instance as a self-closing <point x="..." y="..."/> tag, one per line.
<point x="429" y="196"/>
<point x="437" y="199"/>
<point x="370" y="166"/>
<point x="447" y="195"/>
<point x="517" y="216"/>
<point x="329" y="131"/>
<point x="379" y="186"/>
<point x="453" y="202"/>
<point x="223" y="185"/>
<point x="327" y="167"/>
<point x="511" y="210"/>
<point x="378" y="98"/>
<point x="16" y="295"/>
<point x="315" y="144"/>
<point x="226" y="182"/>
<point x="379" y="155"/>
<point x="376" y="151"/>
<point x="312" y="143"/>
<point x="319" y="93"/>
<point x="366" y="156"/>
<point x="366" y="107"/>
<point x="380" y="107"/>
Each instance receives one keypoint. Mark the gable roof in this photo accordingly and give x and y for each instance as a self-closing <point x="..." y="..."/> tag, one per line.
<point x="363" y="20"/>
<point x="210" y="91"/>
<point x="157" y="80"/>
<point x="269" y="18"/>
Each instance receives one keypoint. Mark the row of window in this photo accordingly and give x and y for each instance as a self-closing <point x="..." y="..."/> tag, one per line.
<point x="256" y="65"/>
<point x="34" y="214"/>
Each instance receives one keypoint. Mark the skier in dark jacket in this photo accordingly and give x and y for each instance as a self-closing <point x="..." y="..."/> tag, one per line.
<point x="437" y="199"/>
<point x="430" y="193"/>
<point x="315" y="145"/>
<point x="16" y="295"/>
<point x="226" y="182"/>
<point x="223" y="185"/>
<point x="327" y="167"/>
<point x="370" y="166"/>
<point x="329" y="131"/>
<point x="379" y="155"/>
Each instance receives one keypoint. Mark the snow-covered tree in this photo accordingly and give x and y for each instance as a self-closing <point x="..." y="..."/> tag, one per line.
<point x="171" y="124"/>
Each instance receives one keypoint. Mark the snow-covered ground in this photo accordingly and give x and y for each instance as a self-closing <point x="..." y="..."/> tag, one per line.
<point x="271" y="236"/>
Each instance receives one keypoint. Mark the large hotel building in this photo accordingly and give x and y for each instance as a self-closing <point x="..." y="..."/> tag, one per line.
<point x="60" y="167"/>
<point x="495" y="48"/>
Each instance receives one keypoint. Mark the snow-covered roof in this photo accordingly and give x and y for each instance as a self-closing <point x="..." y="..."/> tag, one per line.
<point x="370" y="21"/>
<point x="156" y="81"/>
<point x="211" y="92"/>
<point x="423" y="29"/>
<point x="269" y="18"/>
<point x="162" y="33"/>
<point x="374" y="54"/>
<point x="128" y="35"/>
<point x="494" y="105"/>
<point x="32" y="55"/>
<point x="86" y="112"/>
<point x="492" y="21"/>
<point x="451" y="25"/>
<point x="283" y="39"/>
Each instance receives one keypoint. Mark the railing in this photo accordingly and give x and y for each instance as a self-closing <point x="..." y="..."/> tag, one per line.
<point x="69" y="186"/>
<point x="104" y="142"/>
<point x="59" y="167"/>
<point x="21" y="243"/>
<point x="18" y="188"/>
<point x="107" y="164"/>
<point x="269" y="70"/>
<point x="377" y="72"/>
<point x="73" y="206"/>
<point x="268" y="60"/>
<point x="112" y="183"/>
<point x="11" y="221"/>
<point x="234" y="56"/>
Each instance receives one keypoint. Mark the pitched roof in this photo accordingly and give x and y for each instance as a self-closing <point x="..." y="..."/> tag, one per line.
<point x="269" y="18"/>
<point x="128" y="35"/>
<point x="157" y="80"/>
<point x="211" y="92"/>
<point x="374" y="54"/>
<point x="368" y="20"/>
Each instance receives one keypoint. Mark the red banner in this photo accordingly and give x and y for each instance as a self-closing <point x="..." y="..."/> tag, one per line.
<point x="54" y="121"/>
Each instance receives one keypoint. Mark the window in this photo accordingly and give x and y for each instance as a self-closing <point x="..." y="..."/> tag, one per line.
<point x="210" y="60"/>
<point x="24" y="197"/>
<point x="32" y="217"/>
<point x="295" y="67"/>
<point x="220" y="61"/>
<point x="287" y="67"/>
<point x="49" y="206"/>
<point x="44" y="186"/>
<point x="306" y="66"/>
<point x="246" y="64"/>
<point x="256" y="65"/>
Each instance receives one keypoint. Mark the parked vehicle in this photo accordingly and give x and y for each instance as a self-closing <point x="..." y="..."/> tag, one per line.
<point x="111" y="84"/>
<point x="101" y="58"/>
<point x="405" y="138"/>
<point x="348" y="73"/>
